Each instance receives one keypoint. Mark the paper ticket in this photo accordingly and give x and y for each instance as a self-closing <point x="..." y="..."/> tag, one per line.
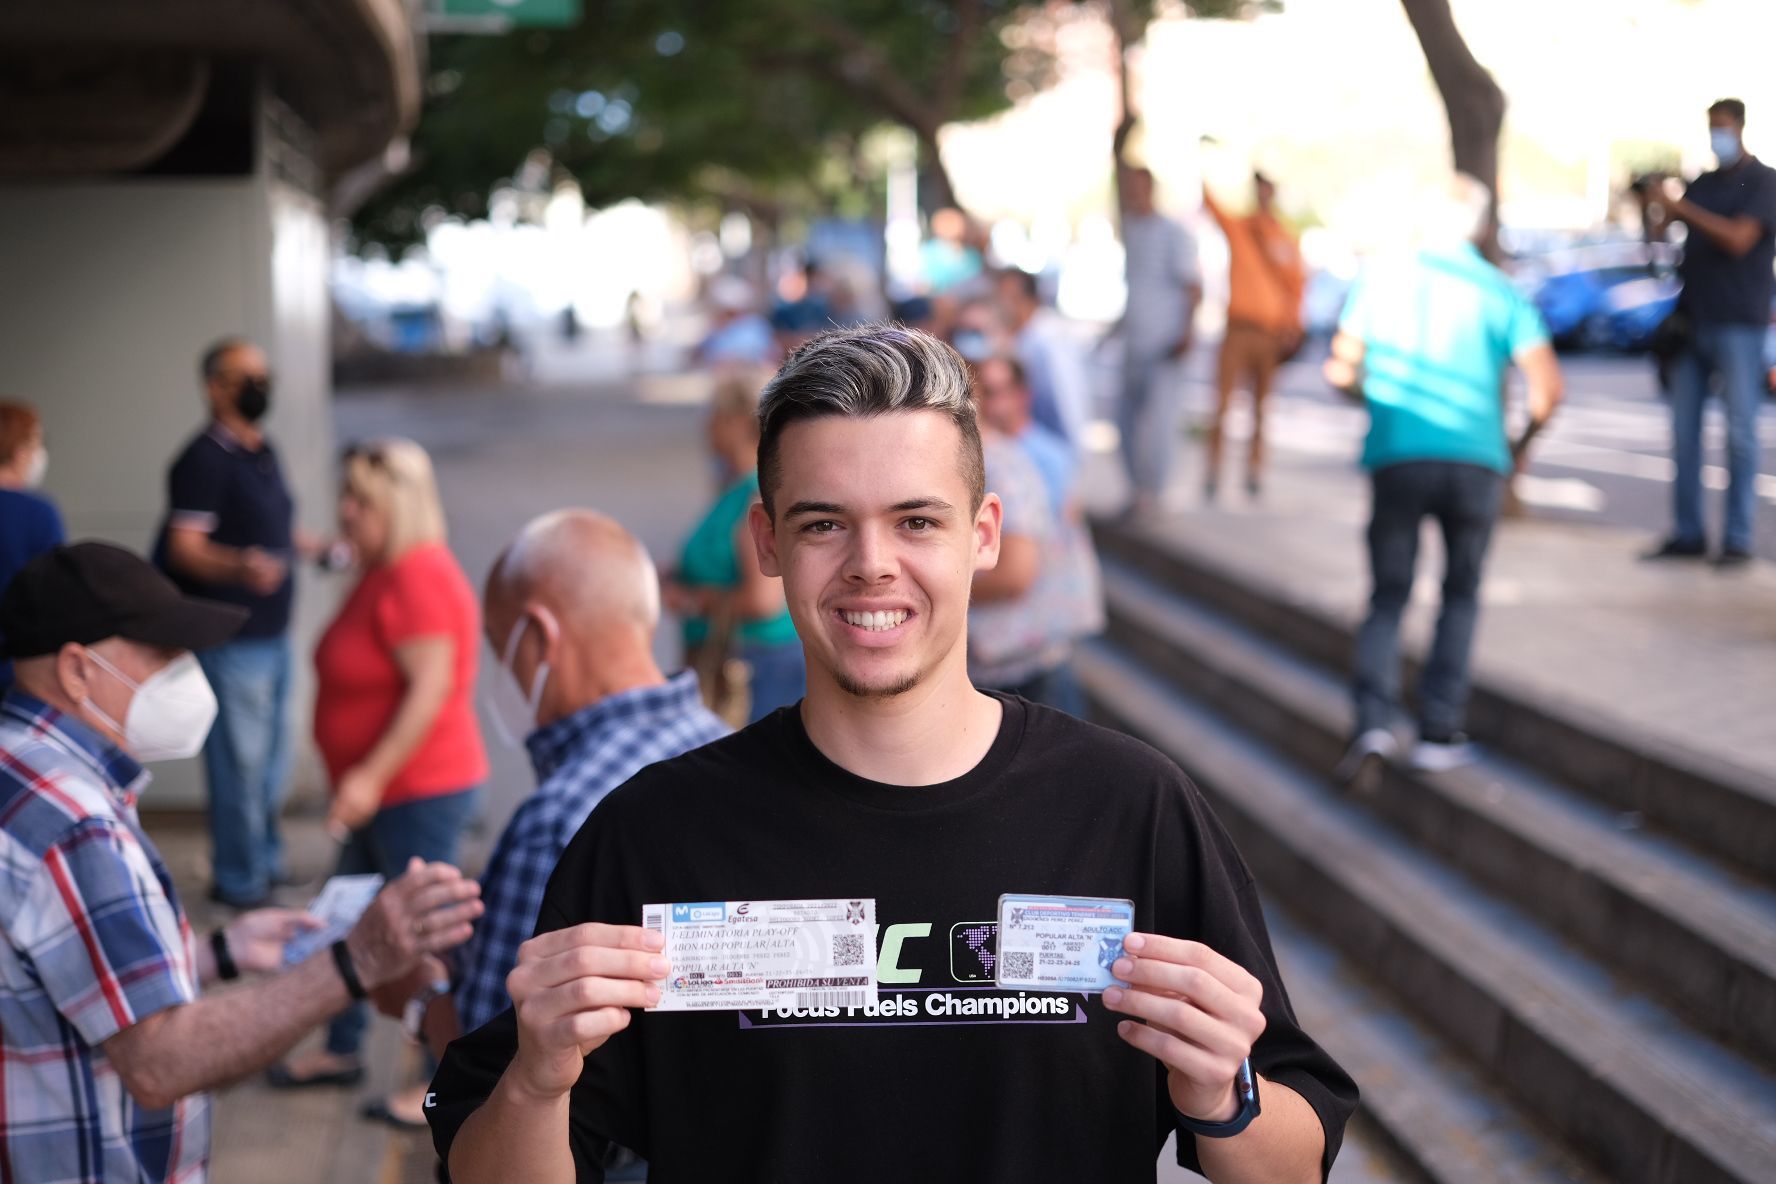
<point x="730" y="955"/>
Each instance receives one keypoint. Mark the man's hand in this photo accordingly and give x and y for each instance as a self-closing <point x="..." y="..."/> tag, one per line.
<point x="1202" y="1018"/>
<point x="431" y="908"/>
<point x="256" y="940"/>
<point x="262" y="572"/>
<point x="572" y="990"/>
<point x="356" y="799"/>
<point x="391" y="997"/>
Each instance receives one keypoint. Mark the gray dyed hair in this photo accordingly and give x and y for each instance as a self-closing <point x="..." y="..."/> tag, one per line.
<point x="862" y="373"/>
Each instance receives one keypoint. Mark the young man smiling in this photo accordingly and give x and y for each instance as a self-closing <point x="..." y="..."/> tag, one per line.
<point x="895" y="778"/>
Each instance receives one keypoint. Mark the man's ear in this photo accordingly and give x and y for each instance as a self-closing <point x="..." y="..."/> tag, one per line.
<point x="764" y="539"/>
<point x="989" y="522"/>
<point x="73" y="672"/>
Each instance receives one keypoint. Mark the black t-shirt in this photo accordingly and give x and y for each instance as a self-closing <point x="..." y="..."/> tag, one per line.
<point x="237" y="496"/>
<point x="938" y="1088"/>
<point x="1717" y="288"/>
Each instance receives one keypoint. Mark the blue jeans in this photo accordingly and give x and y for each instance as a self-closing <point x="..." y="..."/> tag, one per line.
<point x="1148" y="420"/>
<point x="779" y="676"/>
<point x="247" y="761"/>
<point x="431" y="829"/>
<point x="1465" y="501"/>
<point x="1735" y="352"/>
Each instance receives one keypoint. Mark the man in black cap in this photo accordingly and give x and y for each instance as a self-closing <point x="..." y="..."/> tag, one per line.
<point x="105" y="1045"/>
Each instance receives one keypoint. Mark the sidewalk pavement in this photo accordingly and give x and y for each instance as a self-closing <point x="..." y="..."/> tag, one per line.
<point x="1677" y="652"/>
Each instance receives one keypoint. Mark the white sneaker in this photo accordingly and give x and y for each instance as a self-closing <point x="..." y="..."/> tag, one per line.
<point x="1378" y="743"/>
<point x="1440" y="756"/>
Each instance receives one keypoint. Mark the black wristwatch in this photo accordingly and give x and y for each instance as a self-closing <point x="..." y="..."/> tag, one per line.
<point x="1245" y="1088"/>
<point x="226" y="970"/>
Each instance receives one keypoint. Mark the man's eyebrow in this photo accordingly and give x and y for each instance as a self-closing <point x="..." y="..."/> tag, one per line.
<point x="813" y="508"/>
<point x="921" y="503"/>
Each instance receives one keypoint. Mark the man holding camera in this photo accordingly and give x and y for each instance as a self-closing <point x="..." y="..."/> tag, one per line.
<point x="1725" y="306"/>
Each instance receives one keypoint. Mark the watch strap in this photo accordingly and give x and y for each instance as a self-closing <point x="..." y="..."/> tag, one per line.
<point x="1245" y="1088"/>
<point x="226" y="970"/>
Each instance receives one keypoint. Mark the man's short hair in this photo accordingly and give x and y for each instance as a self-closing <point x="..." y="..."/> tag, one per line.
<point x="862" y="373"/>
<point x="1735" y="108"/>
<point x="211" y="363"/>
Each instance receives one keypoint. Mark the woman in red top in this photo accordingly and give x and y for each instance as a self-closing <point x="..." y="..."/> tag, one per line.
<point x="394" y="718"/>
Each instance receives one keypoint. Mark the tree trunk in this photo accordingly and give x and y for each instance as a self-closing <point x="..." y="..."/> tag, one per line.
<point x="936" y="190"/>
<point x="1474" y="102"/>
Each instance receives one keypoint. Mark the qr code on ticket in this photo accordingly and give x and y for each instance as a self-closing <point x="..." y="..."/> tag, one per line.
<point x="1019" y="964"/>
<point x="848" y="949"/>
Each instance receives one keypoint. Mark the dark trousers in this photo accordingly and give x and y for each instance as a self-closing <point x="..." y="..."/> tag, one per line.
<point x="429" y="829"/>
<point x="1464" y="499"/>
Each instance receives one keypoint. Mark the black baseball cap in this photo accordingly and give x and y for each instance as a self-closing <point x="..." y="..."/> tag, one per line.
<point x="86" y="592"/>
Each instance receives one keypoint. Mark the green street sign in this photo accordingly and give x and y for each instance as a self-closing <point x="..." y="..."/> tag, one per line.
<point x="498" y="15"/>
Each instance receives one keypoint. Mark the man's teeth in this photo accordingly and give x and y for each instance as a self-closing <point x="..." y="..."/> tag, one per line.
<point x="875" y="621"/>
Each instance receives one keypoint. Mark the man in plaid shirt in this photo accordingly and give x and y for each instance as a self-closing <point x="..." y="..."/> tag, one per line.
<point x="571" y="607"/>
<point x="105" y="1044"/>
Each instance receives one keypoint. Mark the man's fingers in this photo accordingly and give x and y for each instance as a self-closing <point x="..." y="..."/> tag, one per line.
<point x="448" y="918"/>
<point x="1191" y="982"/>
<point x="1182" y="1019"/>
<point x="1194" y="953"/>
<point x="1195" y="1063"/>
<point x="439" y="895"/>
<point x="593" y="962"/>
<point x="557" y="941"/>
<point x="591" y="994"/>
<point x="434" y="942"/>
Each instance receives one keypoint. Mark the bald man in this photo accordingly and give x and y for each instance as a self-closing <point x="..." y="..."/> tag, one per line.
<point x="570" y="608"/>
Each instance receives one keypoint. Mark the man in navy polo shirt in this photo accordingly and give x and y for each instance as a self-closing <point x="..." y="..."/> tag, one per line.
<point x="228" y="536"/>
<point x="1727" y="287"/>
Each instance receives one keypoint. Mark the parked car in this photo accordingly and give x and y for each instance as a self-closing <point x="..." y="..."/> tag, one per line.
<point x="1574" y="296"/>
<point x="1632" y="311"/>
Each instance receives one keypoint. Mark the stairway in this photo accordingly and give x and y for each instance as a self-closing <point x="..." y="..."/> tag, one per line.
<point x="1556" y="964"/>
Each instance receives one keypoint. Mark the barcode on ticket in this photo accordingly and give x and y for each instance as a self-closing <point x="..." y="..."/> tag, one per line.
<point x="847" y="999"/>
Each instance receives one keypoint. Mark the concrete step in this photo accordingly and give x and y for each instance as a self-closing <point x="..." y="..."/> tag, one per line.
<point x="1426" y="1113"/>
<point x="1702" y="940"/>
<point x="1607" y="1071"/>
<point x="1725" y="811"/>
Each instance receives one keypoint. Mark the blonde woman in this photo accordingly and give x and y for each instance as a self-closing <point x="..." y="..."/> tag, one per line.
<point x="394" y="718"/>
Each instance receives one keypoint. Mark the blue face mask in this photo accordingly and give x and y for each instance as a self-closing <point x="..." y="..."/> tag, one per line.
<point x="1725" y="142"/>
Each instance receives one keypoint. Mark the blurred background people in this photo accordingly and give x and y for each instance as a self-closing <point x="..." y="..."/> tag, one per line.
<point x="394" y="717"/>
<point x="106" y="1046"/>
<point x="1265" y="280"/>
<point x="1051" y="357"/>
<point x="570" y="607"/>
<point x="738" y="335"/>
<point x="1027" y="614"/>
<point x="804" y="307"/>
<point x="229" y="535"/>
<point x="1164" y="290"/>
<point x="30" y="524"/>
<point x="948" y="259"/>
<point x="1426" y="339"/>
<point x="731" y="611"/>
<point x="1726" y="301"/>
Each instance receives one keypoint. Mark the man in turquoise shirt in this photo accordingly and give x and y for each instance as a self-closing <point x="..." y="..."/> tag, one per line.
<point x="1425" y="340"/>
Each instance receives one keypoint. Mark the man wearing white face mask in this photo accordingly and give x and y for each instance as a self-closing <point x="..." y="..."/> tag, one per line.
<point x="105" y="1045"/>
<point x="570" y="608"/>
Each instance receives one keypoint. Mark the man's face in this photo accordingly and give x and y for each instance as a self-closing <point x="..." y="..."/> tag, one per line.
<point x="238" y="366"/>
<point x="1724" y="121"/>
<point x="1004" y="404"/>
<point x="877" y="546"/>
<point x="86" y="681"/>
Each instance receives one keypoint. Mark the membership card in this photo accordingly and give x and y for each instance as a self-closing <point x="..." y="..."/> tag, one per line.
<point x="745" y="955"/>
<point x="1061" y="943"/>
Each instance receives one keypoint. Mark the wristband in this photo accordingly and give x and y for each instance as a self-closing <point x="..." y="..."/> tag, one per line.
<point x="1245" y="1088"/>
<point x="226" y="970"/>
<point x="343" y="960"/>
